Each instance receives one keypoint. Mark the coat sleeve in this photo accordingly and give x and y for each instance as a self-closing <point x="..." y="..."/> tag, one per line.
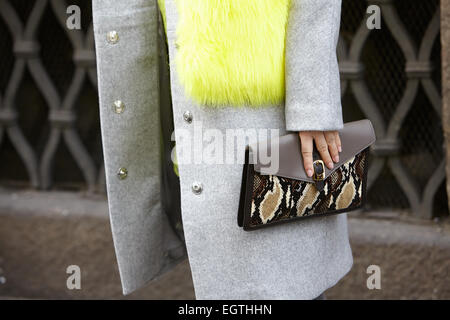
<point x="313" y="100"/>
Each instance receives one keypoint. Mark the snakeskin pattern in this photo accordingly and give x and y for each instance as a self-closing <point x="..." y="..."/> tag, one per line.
<point x="276" y="198"/>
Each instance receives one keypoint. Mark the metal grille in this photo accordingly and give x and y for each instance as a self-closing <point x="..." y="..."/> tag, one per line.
<point x="49" y="121"/>
<point x="392" y="76"/>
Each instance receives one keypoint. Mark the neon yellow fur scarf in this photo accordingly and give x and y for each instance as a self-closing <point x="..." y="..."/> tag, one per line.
<point x="231" y="52"/>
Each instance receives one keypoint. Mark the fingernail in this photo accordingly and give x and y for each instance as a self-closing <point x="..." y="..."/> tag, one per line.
<point x="336" y="159"/>
<point x="340" y="149"/>
<point x="309" y="172"/>
<point x="330" y="165"/>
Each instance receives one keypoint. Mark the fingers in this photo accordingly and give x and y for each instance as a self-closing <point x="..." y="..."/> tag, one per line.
<point x="322" y="147"/>
<point x="330" y="137"/>
<point x="306" y="140"/>
<point x="328" y="143"/>
<point x="338" y="141"/>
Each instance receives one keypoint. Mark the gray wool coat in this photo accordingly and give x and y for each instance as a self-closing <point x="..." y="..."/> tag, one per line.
<point x="290" y="261"/>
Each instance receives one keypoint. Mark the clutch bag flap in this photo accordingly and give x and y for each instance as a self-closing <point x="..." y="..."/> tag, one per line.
<point x="355" y="137"/>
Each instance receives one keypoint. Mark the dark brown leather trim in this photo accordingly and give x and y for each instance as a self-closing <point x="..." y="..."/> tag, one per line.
<point x="318" y="169"/>
<point x="243" y="196"/>
<point x="248" y="197"/>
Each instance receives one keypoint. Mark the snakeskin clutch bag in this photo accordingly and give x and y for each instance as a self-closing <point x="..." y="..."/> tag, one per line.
<point x="280" y="191"/>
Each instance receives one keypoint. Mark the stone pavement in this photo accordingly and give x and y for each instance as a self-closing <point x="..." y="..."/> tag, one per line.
<point x="42" y="233"/>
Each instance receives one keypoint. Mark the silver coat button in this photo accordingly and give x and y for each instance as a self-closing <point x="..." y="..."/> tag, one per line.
<point x="197" y="188"/>
<point x="119" y="106"/>
<point x="187" y="116"/>
<point x="122" y="173"/>
<point x="112" y="37"/>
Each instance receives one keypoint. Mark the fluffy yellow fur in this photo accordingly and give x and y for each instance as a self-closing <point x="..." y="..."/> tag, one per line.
<point x="231" y="52"/>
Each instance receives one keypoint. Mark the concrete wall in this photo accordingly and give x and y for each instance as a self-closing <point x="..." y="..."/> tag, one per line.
<point x="46" y="232"/>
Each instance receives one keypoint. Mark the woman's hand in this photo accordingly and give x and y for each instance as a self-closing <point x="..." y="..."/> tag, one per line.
<point x="328" y="144"/>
